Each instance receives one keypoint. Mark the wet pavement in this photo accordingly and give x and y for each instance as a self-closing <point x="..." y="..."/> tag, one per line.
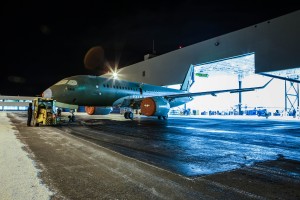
<point x="174" y="159"/>
<point x="194" y="146"/>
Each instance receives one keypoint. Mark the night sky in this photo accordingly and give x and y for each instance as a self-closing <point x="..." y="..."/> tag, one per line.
<point x="45" y="41"/>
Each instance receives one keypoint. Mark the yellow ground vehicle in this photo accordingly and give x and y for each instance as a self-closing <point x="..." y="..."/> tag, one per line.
<point x="47" y="111"/>
<point x="43" y="112"/>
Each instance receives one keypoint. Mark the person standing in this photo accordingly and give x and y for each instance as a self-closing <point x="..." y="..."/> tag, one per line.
<point x="294" y="113"/>
<point x="29" y="114"/>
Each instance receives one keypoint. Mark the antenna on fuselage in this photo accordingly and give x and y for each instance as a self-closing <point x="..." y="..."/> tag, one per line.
<point x="153" y="50"/>
<point x="141" y="88"/>
<point x="150" y="55"/>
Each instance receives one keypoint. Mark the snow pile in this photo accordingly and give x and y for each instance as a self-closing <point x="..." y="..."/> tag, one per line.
<point x="18" y="175"/>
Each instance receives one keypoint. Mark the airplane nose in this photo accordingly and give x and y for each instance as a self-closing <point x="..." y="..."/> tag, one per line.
<point x="47" y="93"/>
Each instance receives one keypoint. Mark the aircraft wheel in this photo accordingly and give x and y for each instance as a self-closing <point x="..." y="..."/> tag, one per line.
<point x="126" y="115"/>
<point x="165" y="117"/>
<point x="130" y="115"/>
<point x="159" y="117"/>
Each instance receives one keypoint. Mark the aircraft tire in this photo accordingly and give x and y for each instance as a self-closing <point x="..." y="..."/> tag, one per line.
<point x="159" y="117"/>
<point x="126" y="115"/>
<point x="165" y="117"/>
<point x="130" y="115"/>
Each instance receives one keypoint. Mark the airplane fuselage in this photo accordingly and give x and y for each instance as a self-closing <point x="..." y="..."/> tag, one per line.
<point x="86" y="90"/>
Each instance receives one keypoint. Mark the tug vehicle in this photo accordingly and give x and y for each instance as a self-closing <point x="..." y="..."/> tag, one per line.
<point x="47" y="111"/>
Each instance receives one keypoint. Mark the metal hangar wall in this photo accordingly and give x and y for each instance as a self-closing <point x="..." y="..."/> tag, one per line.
<point x="275" y="43"/>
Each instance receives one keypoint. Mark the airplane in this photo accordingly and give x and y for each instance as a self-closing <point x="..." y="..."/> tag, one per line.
<point x="99" y="94"/>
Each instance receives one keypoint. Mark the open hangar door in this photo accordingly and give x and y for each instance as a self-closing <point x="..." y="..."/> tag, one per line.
<point x="290" y="77"/>
<point x="233" y="73"/>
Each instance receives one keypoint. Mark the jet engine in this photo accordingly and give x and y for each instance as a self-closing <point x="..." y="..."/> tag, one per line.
<point x="92" y="110"/>
<point x="155" y="106"/>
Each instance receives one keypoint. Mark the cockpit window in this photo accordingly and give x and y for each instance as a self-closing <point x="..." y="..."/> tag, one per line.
<point x="62" y="82"/>
<point x="72" y="82"/>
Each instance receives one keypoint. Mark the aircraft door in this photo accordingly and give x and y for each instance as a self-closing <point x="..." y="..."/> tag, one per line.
<point x="96" y="86"/>
<point x="141" y="91"/>
<point x="141" y="88"/>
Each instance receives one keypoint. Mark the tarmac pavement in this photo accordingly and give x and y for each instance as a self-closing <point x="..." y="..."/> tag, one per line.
<point x="76" y="167"/>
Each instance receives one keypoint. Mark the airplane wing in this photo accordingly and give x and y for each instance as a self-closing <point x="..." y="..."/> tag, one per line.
<point x="213" y="93"/>
<point x="135" y="101"/>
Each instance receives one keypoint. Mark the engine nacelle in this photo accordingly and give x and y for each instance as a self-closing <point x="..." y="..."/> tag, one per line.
<point x="155" y="106"/>
<point x="92" y="110"/>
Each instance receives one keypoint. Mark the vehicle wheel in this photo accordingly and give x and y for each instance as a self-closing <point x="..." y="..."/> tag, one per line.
<point x="165" y="117"/>
<point x="130" y="115"/>
<point x="36" y="124"/>
<point x="159" y="117"/>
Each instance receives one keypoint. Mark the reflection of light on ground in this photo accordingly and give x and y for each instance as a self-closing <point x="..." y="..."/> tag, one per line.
<point x="221" y="131"/>
<point x="218" y="147"/>
<point x="182" y="127"/>
<point x="281" y="127"/>
<point x="209" y="131"/>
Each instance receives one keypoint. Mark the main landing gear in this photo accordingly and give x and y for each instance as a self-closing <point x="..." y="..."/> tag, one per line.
<point x="163" y="117"/>
<point x="128" y="115"/>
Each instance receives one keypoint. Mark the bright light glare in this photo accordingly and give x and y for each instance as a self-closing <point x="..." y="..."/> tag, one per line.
<point x="115" y="75"/>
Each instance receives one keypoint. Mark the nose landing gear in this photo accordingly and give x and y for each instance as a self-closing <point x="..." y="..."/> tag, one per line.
<point x="162" y="117"/>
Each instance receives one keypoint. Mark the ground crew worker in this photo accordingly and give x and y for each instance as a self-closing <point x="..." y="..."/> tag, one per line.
<point x="294" y="113"/>
<point x="29" y="114"/>
<point x="59" y="112"/>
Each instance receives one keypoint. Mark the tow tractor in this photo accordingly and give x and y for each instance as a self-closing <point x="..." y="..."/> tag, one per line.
<point x="43" y="111"/>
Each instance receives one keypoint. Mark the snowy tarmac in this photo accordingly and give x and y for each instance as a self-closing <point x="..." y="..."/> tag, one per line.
<point x="19" y="176"/>
<point x="95" y="159"/>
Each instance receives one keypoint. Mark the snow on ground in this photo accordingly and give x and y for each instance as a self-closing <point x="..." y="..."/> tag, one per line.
<point x="18" y="174"/>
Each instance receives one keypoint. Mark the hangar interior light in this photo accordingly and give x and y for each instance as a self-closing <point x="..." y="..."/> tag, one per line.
<point x="288" y="73"/>
<point x="226" y="74"/>
<point x="238" y="65"/>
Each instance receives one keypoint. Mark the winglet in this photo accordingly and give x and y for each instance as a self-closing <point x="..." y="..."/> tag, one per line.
<point x="251" y="89"/>
<point x="266" y="83"/>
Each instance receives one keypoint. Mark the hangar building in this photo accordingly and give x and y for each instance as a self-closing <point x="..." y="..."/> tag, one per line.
<point x="270" y="48"/>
